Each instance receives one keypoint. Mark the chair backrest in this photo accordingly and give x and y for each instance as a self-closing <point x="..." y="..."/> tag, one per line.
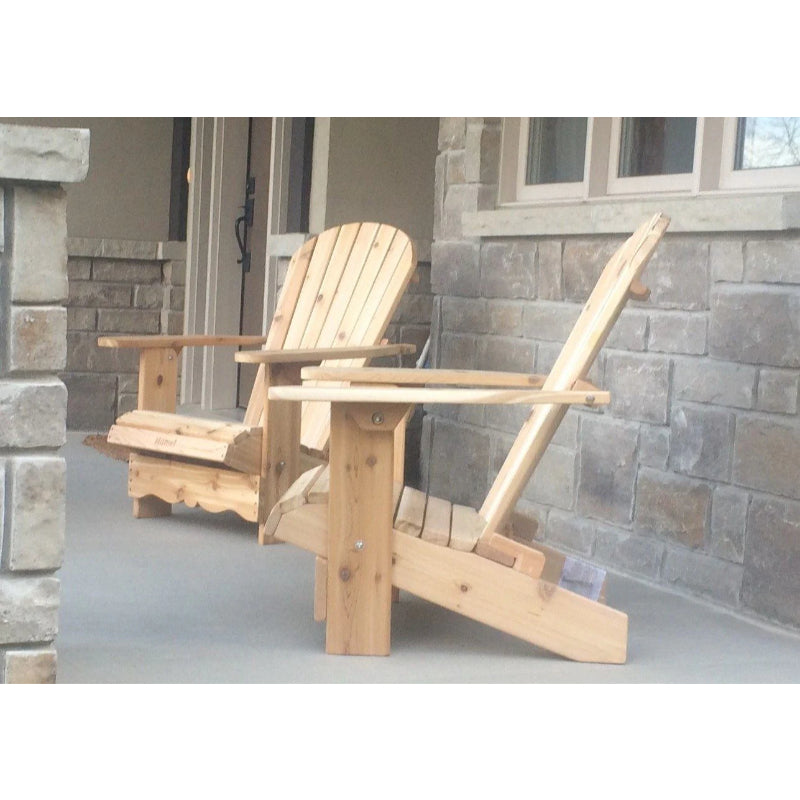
<point x="341" y="289"/>
<point x="579" y="352"/>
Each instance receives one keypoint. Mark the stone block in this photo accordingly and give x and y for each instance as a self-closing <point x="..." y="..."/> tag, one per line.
<point x="455" y="269"/>
<point x="125" y="320"/>
<point x="607" y="469"/>
<point x="38" y="340"/>
<point x="148" y="296"/>
<point x="678" y="332"/>
<point x="83" y="355"/>
<point x="505" y="355"/>
<point x="91" y="401"/>
<point x="457" y="351"/>
<point x="755" y="326"/>
<point x="728" y="523"/>
<point x="766" y="455"/>
<point x="708" y="381"/>
<point x="79" y="269"/>
<point x="465" y="315"/>
<point x="677" y="275"/>
<point x="673" y="506"/>
<point x="174" y="273"/>
<point x="52" y="155"/>
<point x="37" y="508"/>
<point x="771" y="584"/>
<point x="125" y="271"/>
<point x="629" y="331"/>
<point x="549" y="321"/>
<point x="772" y="261"/>
<point x="727" y="261"/>
<point x="553" y="481"/>
<point x="628" y="552"/>
<point x="28" y="609"/>
<point x="550" y="277"/>
<point x="471" y="450"/>
<point x="458" y="198"/>
<point x="778" y="391"/>
<point x="28" y="666"/>
<point x="415" y="307"/>
<point x="703" y="575"/>
<point x="439" y="190"/>
<point x="654" y="446"/>
<point x="32" y="413"/>
<point x="456" y="172"/>
<point x="574" y="533"/>
<point x="452" y="133"/>
<point x="701" y="442"/>
<point x="38" y="256"/>
<point x="639" y="386"/>
<point x="172" y="323"/>
<point x="508" y="269"/>
<point x="126" y="403"/>
<point x="507" y="418"/>
<point x="505" y="318"/>
<point x="81" y="319"/>
<point x="99" y="295"/>
<point x="582" y="262"/>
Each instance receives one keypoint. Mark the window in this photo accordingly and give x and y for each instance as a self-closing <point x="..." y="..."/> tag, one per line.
<point x="760" y="152"/>
<point x="579" y="158"/>
<point x="552" y="157"/>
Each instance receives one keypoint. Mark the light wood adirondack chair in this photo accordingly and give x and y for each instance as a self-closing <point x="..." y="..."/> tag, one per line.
<point x="340" y="293"/>
<point x="370" y="535"/>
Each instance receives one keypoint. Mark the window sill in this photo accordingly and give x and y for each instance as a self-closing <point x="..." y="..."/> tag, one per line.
<point x="717" y="212"/>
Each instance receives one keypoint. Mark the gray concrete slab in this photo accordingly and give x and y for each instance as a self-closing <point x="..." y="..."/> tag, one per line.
<point x="193" y="599"/>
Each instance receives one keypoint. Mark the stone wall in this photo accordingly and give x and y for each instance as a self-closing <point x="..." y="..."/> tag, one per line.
<point x="116" y="288"/>
<point x="33" y="401"/>
<point x="691" y="478"/>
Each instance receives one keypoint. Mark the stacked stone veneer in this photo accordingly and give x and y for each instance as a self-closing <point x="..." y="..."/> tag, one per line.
<point x="33" y="401"/>
<point x="691" y="478"/>
<point x="116" y="288"/>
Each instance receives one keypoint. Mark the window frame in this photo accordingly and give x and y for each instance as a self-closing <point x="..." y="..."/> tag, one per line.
<point x="713" y="173"/>
<point x="762" y="178"/>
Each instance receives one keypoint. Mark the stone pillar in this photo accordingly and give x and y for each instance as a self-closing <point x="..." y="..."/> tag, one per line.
<point x="34" y="162"/>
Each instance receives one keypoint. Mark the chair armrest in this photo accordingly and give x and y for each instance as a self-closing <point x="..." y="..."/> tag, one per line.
<point x="313" y="355"/>
<point x="441" y="377"/>
<point x="178" y="342"/>
<point x="414" y="395"/>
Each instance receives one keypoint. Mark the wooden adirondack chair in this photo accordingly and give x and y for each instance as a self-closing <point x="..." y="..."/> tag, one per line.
<point x="340" y="293"/>
<point x="369" y="535"/>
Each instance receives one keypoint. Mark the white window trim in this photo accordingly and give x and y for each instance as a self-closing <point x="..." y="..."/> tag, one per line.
<point x="649" y="184"/>
<point x="575" y="190"/>
<point x="742" y="179"/>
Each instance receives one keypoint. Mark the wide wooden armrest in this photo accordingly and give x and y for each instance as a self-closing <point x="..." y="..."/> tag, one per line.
<point x="414" y="395"/>
<point x="442" y="377"/>
<point x="177" y="342"/>
<point x="313" y="355"/>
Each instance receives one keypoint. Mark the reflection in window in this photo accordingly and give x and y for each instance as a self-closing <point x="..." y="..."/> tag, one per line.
<point x="656" y="146"/>
<point x="556" y="150"/>
<point x="767" y="142"/>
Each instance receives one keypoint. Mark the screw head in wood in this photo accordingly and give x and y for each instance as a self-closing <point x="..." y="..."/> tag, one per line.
<point x="359" y="545"/>
<point x="377" y="418"/>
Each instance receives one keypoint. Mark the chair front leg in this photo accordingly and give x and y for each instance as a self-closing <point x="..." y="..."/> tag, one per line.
<point x="158" y="391"/>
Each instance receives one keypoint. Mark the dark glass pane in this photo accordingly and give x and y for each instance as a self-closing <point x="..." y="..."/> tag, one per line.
<point x="767" y="142"/>
<point x="656" y="146"/>
<point x="556" y="150"/>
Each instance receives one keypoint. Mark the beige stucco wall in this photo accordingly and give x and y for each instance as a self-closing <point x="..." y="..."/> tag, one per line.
<point x="382" y="170"/>
<point x="126" y="193"/>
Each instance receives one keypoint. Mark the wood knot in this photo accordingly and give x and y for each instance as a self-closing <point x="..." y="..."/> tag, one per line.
<point x="319" y="298"/>
<point x="344" y="574"/>
<point x="464" y="588"/>
<point x="371" y="461"/>
<point x="342" y="336"/>
<point x="159" y="380"/>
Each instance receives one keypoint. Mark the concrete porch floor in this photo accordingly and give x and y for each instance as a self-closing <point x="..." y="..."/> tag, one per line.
<point x="193" y="599"/>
